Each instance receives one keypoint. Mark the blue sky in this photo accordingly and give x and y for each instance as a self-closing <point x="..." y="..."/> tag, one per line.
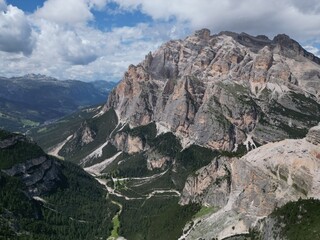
<point x="99" y="39"/>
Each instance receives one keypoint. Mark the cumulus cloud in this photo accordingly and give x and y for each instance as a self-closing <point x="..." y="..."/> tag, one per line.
<point x="16" y="33"/>
<point x="69" y="12"/>
<point x="61" y="44"/>
<point x="69" y="46"/>
<point x="3" y="5"/>
<point x="313" y="49"/>
<point x="60" y="11"/>
<point x="294" y="17"/>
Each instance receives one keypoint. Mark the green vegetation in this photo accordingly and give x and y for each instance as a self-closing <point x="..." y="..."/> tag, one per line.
<point x="50" y="135"/>
<point x="145" y="132"/>
<point x="116" y="223"/>
<point x="303" y="109"/>
<point x="116" y="227"/>
<point x="19" y="152"/>
<point x="241" y="151"/>
<point x="204" y="211"/>
<point x="76" y="209"/>
<point x="190" y="160"/>
<point x="5" y="134"/>
<point x="299" y="220"/>
<point x="156" y="218"/>
<point x="102" y="126"/>
<point x="55" y="99"/>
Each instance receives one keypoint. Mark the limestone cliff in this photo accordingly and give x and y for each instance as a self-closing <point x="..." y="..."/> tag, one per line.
<point x="219" y="90"/>
<point x="171" y="122"/>
<point x="265" y="178"/>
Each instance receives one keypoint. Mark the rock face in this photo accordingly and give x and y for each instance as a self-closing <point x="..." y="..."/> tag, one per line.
<point x="263" y="179"/>
<point x="41" y="175"/>
<point x="216" y="90"/>
<point x="210" y="185"/>
<point x="313" y="135"/>
<point x="219" y="93"/>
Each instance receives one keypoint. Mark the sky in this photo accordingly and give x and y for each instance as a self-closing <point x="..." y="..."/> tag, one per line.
<point x="98" y="39"/>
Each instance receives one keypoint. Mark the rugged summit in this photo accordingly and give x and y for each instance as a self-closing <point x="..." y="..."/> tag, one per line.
<point x="221" y="90"/>
<point x="219" y="121"/>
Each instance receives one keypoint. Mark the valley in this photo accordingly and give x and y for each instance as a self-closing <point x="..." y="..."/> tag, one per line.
<point x="209" y="137"/>
<point x="33" y="100"/>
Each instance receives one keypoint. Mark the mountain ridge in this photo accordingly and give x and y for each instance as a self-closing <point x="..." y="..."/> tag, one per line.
<point x="186" y="123"/>
<point x="55" y="99"/>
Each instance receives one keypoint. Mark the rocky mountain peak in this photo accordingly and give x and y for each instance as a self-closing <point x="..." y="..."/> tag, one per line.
<point x="203" y="34"/>
<point x="227" y="81"/>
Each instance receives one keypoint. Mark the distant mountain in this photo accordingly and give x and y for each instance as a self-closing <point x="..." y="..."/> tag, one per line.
<point x="42" y="197"/>
<point x="32" y="99"/>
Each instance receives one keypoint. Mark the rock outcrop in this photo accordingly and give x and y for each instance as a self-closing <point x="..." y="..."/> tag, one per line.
<point x="219" y="93"/>
<point x="41" y="175"/>
<point x="210" y="185"/>
<point x="216" y="90"/>
<point x="313" y="135"/>
<point x="265" y="178"/>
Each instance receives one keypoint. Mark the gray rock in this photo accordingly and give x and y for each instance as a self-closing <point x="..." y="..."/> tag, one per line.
<point x="41" y="175"/>
<point x="313" y="135"/>
<point x="216" y="90"/>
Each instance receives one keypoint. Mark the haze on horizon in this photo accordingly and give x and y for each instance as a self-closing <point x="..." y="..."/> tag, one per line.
<point x="99" y="39"/>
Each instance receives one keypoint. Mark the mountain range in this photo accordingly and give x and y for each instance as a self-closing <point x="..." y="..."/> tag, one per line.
<point x="34" y="99"/>
<point x="209" y="137"/>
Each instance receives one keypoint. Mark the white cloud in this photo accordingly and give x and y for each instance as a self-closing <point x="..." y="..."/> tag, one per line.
<point x="15" y="31"/>
<point x="313" y="49"/>
<point x="3" y="5"/>
<point x="97" y="4"/>
<point x="297" y="18"/>
<point x="68" y="47"/>
<point x="66" y="43"/>
<point x="61" y="11"/>
<point x="69" y="12"/>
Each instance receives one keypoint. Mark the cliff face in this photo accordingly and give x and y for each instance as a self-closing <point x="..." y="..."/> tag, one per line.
<point x="177" y="123"/>
<point x="219" y="90"/>
<point x="20" y="157"/>
<point x="265" y="178"/>
<point x="41" y="175"/>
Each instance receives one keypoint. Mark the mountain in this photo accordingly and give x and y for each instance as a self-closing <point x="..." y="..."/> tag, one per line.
<point x="32" y="99"/>
<point x="42" y="197"/>
<point x="208" y="133"/>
